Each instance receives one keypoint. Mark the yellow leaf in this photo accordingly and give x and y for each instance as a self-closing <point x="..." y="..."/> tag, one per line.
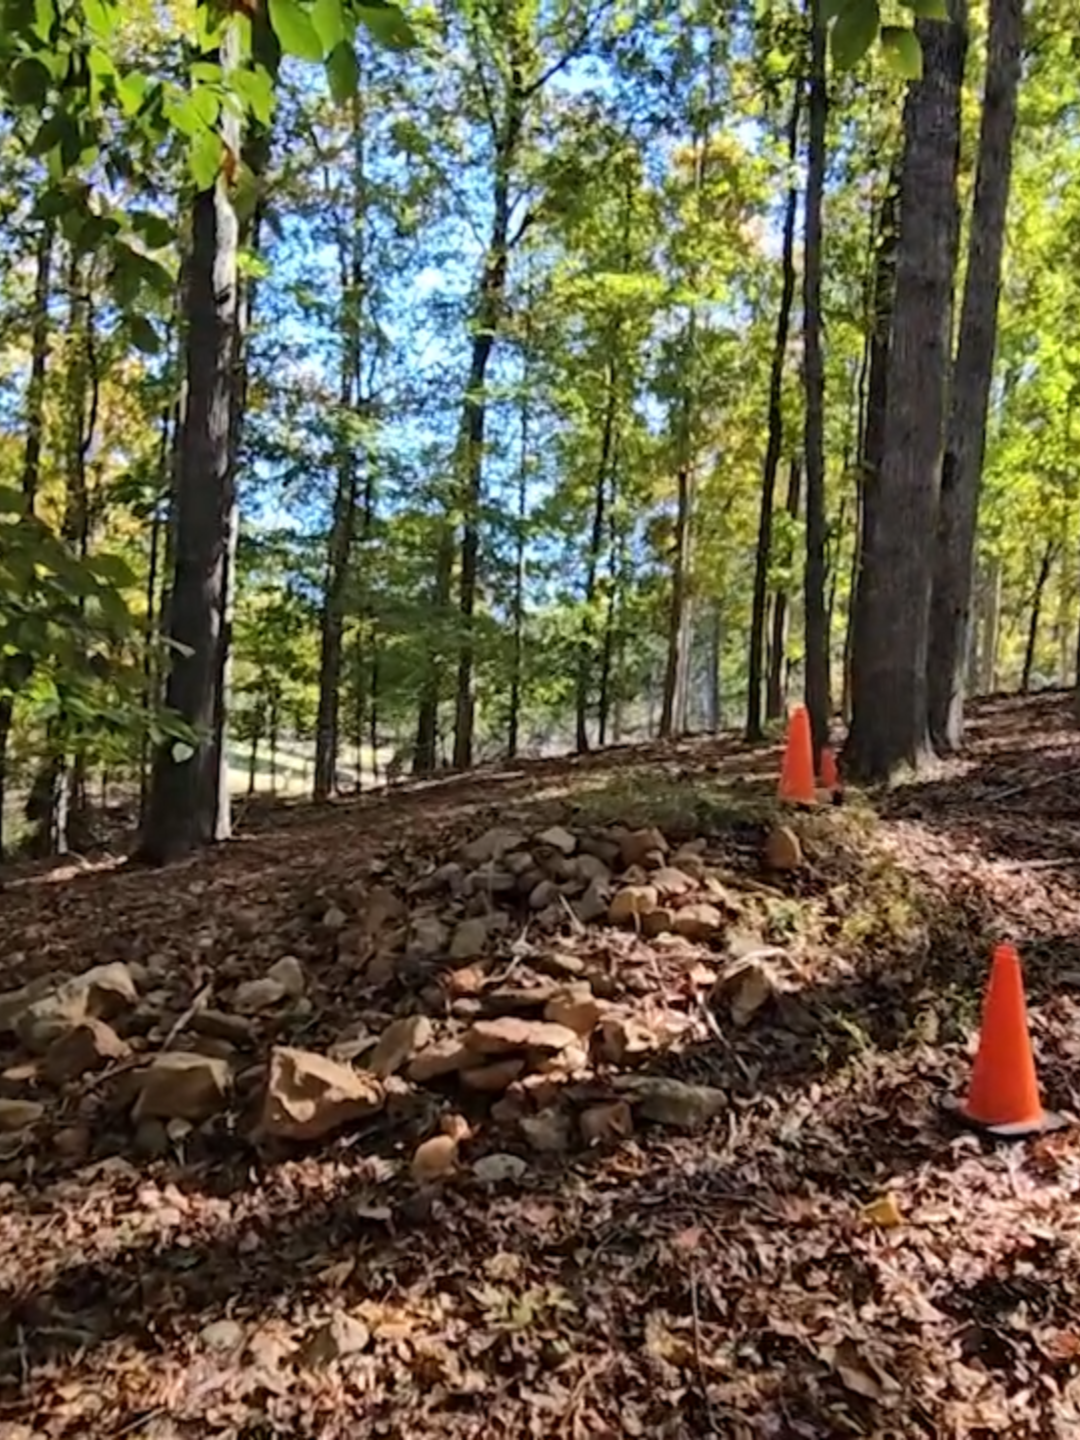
<point x="885" y="1211"/>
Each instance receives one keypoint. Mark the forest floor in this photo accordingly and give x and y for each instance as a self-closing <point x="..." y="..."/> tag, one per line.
<point x="799" y="1244"/>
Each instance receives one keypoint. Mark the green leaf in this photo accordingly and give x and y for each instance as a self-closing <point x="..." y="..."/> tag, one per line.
<point x="12" y="501"/>
<point x="207" y="105"/>
<point x="928" y="9"/>
<point x="295" y="30"/>
<point x="903" y="52"/>
<point x="181" y="752"/>
<point x="100" y="17"/>
<point x="154" y="229"/>
<point x="853" y="32"/>
<point x="131" y="91"/>
<point x="387" y="25"/>
<point x="830" y="9"/>
<point x="204" y="159"/>
<point x="112" y="568"/>
<point x="28" y="82"/>
<point x="50" y="134"/>
<point x="143" y="335"/>
<point x="328" y="17"/>
<point x="342" y="72"/>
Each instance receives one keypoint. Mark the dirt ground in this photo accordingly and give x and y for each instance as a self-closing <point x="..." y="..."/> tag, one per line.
<point x="827" y="1256"/>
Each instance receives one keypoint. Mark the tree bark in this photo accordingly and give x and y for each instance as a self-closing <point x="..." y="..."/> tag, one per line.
<point x="815" y="613"/>
<point x="774" y="445"/>
<point x="961" y="471"/>
<point x="776" y="690"/>
<point x="182" y="810"/>
<point x="592" y="564"/>
<point x="673" y="705"/>
<point x="889" y="726"/>
<point x="1046" y="564"/>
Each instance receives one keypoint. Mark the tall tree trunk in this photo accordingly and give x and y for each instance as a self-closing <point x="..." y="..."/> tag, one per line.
<point x="1046" y="564"/>
<point x="352" y="248"/>
<point x="814" y="611"/>
<point x="775" y="442"/>
<point x="592" y="563"/>
<point x="678" y="645"/>
<point x="517" y="660"/>
<point x="714" y="714"/>
<point x="611" y="651"/>
<point x="889" y="716"/>
<point x="183" y="808"/>
<point x="776" y="690"/>
<point x="426" y="746"/>
<point x="992" y="637"/>
<point x="961" y="471"/>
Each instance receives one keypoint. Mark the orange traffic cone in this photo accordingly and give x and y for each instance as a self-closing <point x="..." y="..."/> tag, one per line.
<point x="797" y="772"/>
<point x="1003" y="1098"/>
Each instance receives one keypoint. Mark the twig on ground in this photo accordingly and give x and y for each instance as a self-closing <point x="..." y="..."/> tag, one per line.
<point x="697" y="1347"/>
<point x="199" y="1002"/>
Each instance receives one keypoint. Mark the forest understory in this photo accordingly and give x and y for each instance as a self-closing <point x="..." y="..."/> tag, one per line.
<point x="729" y="1204"/>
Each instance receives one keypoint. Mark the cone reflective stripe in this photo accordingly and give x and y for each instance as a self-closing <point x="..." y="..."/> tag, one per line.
<point x="797" y="772"/>
<point x="1003" y="1096"/>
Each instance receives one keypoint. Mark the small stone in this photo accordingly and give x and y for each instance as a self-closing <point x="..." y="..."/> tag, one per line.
<point x="236" y="1029"/>
<point x="690" y="863"/>
<point x="90" y="1045"/>
<point x="602" y="1123"/>
<point x="625" y="1037"/>
<point x="631" y="903"/>
<point x="637" y="847"/>
<point x="470" y="939"/>
<point x="178" y="1130"/>
<point x="290" y="973"/>
<point x="548" y="1132"/>
<point x="519" y="863"/>
<point x="434" y="1159"/>
<point x="222" y="1335"/>
<point x="427" y="937"/>
<point x="660" y="921"/>
<point x="18" y="1115"/>
<point x="335" y="918"/>
<point x="493" y="1078"/>
<point x="544" y="894"/>
<point x="254" y="996"/>
<point x="576" y="1007"/>
<point x="399" y="1043"/>
<point x="673" y="1102"/>
<point x="559" y="962"/>
<point x="73" y="1142"/>
<point x="671" y="882"/>
<point x="591" y="868"/>
<point x="182" y="1085"/>
<point x="340" y="1336"/>
<point x="101" y="993"/>
<point x="782" y="849"/>
<point x="498" y="1037"/>
<point x="747" y="986"/>
<point x="379" y="908"/>
<point x="593" y="905"/>
<point x="495" y="1169"/>
<point x="450" y="876"/>
<point x="493" y="845"/>
<point x="700" y="921"/>
<point x="309" y="1096"/>
<point x="509" y="1000"/>
<point x="491" y="879"/>
<point x="558" y="838"/>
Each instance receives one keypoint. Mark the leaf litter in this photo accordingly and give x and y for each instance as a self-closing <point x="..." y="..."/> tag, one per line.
<point x="739" y="1212"/>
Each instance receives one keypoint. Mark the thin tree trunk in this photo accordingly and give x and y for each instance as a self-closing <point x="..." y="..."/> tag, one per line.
<point x="961" y="471"/>
<point x="425" y="750"/>
<point x="889" y="725"/>
<point x="992" y="638"/>
<point x="592" y="564"/>
<point x="712" y="669"/>
<point x="774" y="445"/>
<point x="815" y="616"/>
<point x="776" y="691"/>
<point x="518" y="655"/>
<point x="1045" y="566"/>
<point x="671" y="719"/>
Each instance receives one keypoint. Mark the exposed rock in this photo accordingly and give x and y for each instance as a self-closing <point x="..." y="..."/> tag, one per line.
<point x="434" y="1159"/>
<point x="572" y="1061"/>
<point x="308" y="1095"/>
<point x="109" y="990"/>
<point x="18" y="1115"/>
<point x="576" y="1007"/>
<point x="427" y="938"/>
<point x="699" y="921"/>
<point x="499" y="1037"/>
<point x="334" y="918"/>
<point x="14" y="1003"/>
<point x="380" y="907"/>
<point x="182" y="1085"/>
<point x="601" y="1123"/>
<point x="638" y="847"/>
<point x="543" y="895"/>
<point x="470" y="939"/>
<point x="252" y="997"/>
<point x="558" y="838"/>
<point x="337" y="1338"/>
<point x="507" y="1000"/>
<point x="491" y="879"/>
<point x="593" y="905"/>
<point x="442" y="1057"/>
<point x="625" y="1037"/>
<point x="450" y="876"/>
<point x="87" y="1046"/>
<point x="671" y="882"/>
<point x="660" y="921"/>
<point x="604" y="846"/>
<point x="782" y="849"/>
<point x="590" y="868"/>
<point x="672" y="1102"/>
<point x="290" y="973"/>
<point x="631" y="903"/>
<point x="101" y="993"/>
<point x="691" y="863"/>
<point x="490" y="1079"/>
<point x="73" y="1142"/>
<point x="493" y="845"/>
<point x="237" y="1029"/>
<point x="747" y="986"/>
<point x="399" y="1043"/>
<point x="494" y="1169"/>
<point x="548" y="1132"/>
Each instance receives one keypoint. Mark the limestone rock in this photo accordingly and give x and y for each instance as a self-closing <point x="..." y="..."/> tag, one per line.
<point x="673" y="1102"/>
<point x="290" y="973"/>
<point x="380" y="907"/>
<point x="182" y="1085"/>
<point x="450" y="876"/>
<point x="591" y="868"/>
<point x="626" y="1037"/>
<point x="252" y="997"/>
<point x="748" y="985"/>
<point x="593" y="905"/>
<point x="631" y="903"/>
<point x="602" y="1123"/>
<point x="548" y="1132"/>
<point x="491" y="879"/>
<point x="558" y="838"/>
<point x="236" y="1029"/>
<point x="660" y="921"/>
<point x="470" y="939"/>
<point x="87" y="1046"/>
<point x="493" y="845"/>
<point x="493" y="1078"/>
<point x="308" y="1096"/>
<point x="222" y="1335"/>
<point x="101" y="993"/>
<point x="428" y="937"/>
<point x="510" y="1000"/>
<point x="14" y="1003"/>
<point x="671" y="882"/>
<point x="782" y="849"/>
<point x="494" y="1169"/>
<point x="637" y="847"/>
<point x="543" y="894"/>
<point x="334" y="918"/>
<point x="434" y="1159"/>
<point x="399" y="1043"/>
<point x="698" y="922"/>
<point x="18" y="1115"/>
<point x="576" y="1007"/>
<point x="506" y="1034"/>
